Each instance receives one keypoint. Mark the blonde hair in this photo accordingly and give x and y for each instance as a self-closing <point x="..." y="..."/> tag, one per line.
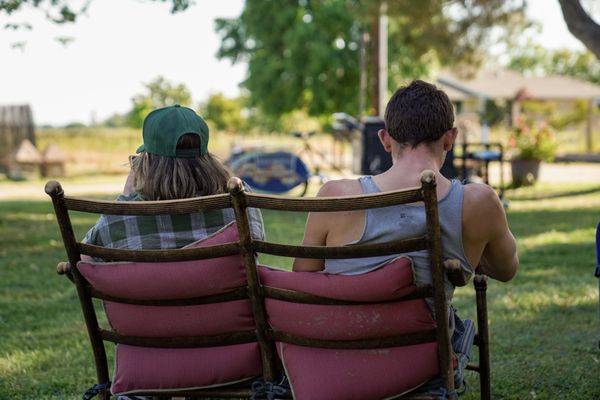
<point x="169" y="178"/>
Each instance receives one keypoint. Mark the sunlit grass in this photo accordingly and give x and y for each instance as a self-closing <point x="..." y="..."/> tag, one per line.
<point x="544" y="324"/>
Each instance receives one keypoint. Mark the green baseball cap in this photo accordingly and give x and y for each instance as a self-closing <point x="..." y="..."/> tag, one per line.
<point x="164" y="126"/>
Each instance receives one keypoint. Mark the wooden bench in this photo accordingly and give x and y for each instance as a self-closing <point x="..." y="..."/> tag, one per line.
<point x="137" y="304"/>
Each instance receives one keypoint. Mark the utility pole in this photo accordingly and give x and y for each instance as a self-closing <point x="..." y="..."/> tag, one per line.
<point x="380" y="56"/>
<point x="362" y="90"/>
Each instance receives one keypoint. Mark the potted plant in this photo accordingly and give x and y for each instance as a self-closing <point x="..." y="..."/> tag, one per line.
<point x="531" y="143"/>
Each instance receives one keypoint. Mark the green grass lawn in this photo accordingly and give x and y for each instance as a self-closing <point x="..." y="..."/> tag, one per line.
<point x="544" y="324"/>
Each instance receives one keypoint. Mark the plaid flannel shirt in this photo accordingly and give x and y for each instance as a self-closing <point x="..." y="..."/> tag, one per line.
<point x="139" y="232"/>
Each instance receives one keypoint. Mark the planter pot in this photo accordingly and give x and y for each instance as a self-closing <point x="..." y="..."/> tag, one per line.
<point x="524" y="172"/>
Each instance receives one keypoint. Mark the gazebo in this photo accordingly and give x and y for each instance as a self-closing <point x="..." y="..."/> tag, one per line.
<point x="514" y="87"/>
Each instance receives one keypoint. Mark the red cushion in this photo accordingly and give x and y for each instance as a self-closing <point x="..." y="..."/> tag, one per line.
<point x="174" y="280"/>
<point x="139" y="368"/>
<point x="317" y="373"/>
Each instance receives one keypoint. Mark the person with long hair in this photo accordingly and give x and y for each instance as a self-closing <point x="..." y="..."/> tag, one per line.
<point x="172" y="163"/>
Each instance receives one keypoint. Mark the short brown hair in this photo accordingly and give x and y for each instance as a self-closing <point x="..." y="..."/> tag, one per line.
<point x="417" y="113"/>
<point x="169" y="178"/>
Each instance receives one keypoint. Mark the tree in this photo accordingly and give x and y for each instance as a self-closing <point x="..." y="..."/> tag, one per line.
<point x="225" y="113"/>
<point x="159" y="93"/>
<point x="62" y="12"/>
<point x="307" y="56"/>
<point x="581" y="25"/>
<point x="532" y="58"/>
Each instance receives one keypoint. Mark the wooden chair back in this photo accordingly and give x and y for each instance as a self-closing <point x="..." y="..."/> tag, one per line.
<point x="248" y="247"/>
<point x="431" y="242"/>
<point x="86" y="292"/>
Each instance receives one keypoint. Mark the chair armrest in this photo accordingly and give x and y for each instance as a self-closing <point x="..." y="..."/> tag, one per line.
<point x="455" y="273"/>
<point x="64" y="268"/>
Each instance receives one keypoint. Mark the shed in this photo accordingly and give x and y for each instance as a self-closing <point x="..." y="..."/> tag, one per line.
<point x="25" y="161"/>
<point x="16" y="124"/>
<point x="53" y="161"/>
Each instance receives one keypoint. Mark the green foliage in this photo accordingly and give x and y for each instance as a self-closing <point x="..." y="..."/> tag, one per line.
<point x="307" y="56"/>
<point x="75" y="125"/>
<point x="115" y="121"/>
<point x="494" y="112"/>
<point x="226" y="114"/>
<point x="533" y="58"/>
<point x="558" y="119"/>
<point x="531" y="141"/>
<point x="61" y="11"/>
<point x="159" y="93"/>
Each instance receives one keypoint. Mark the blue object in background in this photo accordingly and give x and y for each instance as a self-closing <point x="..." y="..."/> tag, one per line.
<point x="597" y="273"/>
<point x="490" y="155"/>
<point x="274" y="172"/>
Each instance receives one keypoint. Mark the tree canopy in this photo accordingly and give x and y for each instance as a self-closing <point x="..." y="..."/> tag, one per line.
<point x="535" y="59"/>
<point x="159" y="93"/>
<point x="224" y="113"/>
<point x="62" y="11"/>
<point x="305" y="54"/>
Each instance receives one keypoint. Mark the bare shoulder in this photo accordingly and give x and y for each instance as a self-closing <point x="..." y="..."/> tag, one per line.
<point x="480" y="200"/>
<point x="340" y="187"/>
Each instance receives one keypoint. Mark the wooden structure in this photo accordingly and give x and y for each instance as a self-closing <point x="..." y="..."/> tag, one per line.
<point x="16" y="125"/>
<point x="25" y="161"/>
<point x="248" y="247"/>
<point x="53" y="161"/>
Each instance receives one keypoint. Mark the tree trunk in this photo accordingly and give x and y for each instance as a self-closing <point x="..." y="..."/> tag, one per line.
<point x="581" y="25"/>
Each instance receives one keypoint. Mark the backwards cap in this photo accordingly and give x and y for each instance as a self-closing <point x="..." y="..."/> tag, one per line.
<point x="164" y="127"/>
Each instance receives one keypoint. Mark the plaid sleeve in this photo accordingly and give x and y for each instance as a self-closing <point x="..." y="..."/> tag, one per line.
<point x="257" y="228"/>
<point x="93" y="235"/>
<point x="255" y="220"/>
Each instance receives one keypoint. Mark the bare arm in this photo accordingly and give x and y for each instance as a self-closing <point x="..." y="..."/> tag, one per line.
<point x="487" y="237"/>
<point x="318" y="226"/>
<point x="315" y="234"/>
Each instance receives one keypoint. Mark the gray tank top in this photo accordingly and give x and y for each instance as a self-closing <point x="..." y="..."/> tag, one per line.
<point x="404" y="221"/>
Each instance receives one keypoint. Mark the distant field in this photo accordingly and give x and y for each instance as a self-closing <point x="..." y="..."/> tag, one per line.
<point x="106" y="150"/>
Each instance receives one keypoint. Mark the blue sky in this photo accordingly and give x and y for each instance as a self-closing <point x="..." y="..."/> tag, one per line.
<point x="121" y="44"/>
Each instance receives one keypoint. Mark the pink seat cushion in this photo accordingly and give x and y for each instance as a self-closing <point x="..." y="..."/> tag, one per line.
<point x="139" y="368"/>
<point x="172" y="280"/>
<point x="352" y="374"/>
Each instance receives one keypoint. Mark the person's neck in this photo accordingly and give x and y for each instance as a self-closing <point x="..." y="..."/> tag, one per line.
<point x="407" y="167"/>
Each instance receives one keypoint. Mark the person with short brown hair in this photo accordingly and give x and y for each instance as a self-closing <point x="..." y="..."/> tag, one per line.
<point x="419" y="131"/>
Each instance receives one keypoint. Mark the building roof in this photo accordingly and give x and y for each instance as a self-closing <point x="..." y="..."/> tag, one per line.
<point x="507" y="84"/>
<point x="27" y="153"/>
<point x="53" y="153"/>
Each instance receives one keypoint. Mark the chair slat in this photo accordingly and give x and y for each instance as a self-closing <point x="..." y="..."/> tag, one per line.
<point x="200" y="253"/>
<point x="378" y="343"/>
<point x="187" y="206"/>
<point x="238" y="294"/>
<point x="182" y="342"/>
<point x="307" y="298"/>
<point x="349" y="251"/>
<point x="341" y="203"/>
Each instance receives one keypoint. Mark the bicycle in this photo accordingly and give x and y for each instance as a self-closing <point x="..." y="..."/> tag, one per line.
<point x="279" y="171"/>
